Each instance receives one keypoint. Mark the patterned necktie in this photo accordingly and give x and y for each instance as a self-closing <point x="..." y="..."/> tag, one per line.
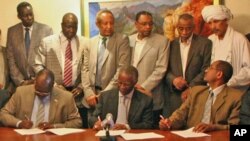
<point x="123" y="110"/>
<point x="207" y="110"/>
<point x="40" y="113"/>
<point x="27" y="40"/>
<point x="68" y="66"/>
<point x="100" y="61"/>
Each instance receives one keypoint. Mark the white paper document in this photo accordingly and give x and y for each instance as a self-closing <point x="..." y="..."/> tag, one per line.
<point x="111" y="133"/>
<point x="189" y="133"/>
<point x="136" y="136"/>
<point x="57" y="131"/>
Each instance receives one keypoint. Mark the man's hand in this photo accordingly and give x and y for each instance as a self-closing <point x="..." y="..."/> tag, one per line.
<point x="25" y="124"/>
<point x="180" y="83"/>
<point x="76" y="91"/>
<point x="185" y="94"/>
<point x="203" y="127"/>
<point x="165" y="124"/>
<point x="98" y="125"/>
<point x="92" y="100"/>
<point x="119" y="127"/>
<point x="45" y="125"/>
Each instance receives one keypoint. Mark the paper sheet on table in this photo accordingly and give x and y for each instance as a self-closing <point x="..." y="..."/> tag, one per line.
<point x="64" y="131"/>
<point x="31" y="131"/>
<point x="189" y="133"/>
<point x="111" y="132"/>
<point x="136" y="136"/>
<point x="57" y="131"/>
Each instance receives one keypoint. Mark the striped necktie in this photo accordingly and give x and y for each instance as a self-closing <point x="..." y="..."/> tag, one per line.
<point x="100" y="61"/>
<point x="40" y="113"/>
<point x="68" y="66"/>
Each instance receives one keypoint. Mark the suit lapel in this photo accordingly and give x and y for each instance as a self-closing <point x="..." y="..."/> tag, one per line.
<point x="191" y="50"/>
<point x="135" y="103"/>
<point x="58" y="51"/>
<point x="113" y="101"/>
<point x="53" y="107"/>
<point x="94" y="50"/>
<point x="109" y="47"/>
<point x="20" y="40"/>
<point x="177" y="55"/>
<point x="220" y="100"/>
<point x="146" y="48"/>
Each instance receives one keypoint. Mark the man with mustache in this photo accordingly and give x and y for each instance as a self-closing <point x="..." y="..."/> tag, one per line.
<point x="228" y="44"/>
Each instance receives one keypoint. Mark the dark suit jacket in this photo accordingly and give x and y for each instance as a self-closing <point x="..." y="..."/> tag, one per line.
<point x="19" y="63"/>
<point x="198" y="60"/>
<point x="225" y="110"/>
<point x="62" y="112"/>
<point x="140" y="112"/>
<point x="245" y="109"/>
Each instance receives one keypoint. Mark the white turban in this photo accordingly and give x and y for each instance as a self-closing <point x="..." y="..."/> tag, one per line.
<point x="216" y="12"/>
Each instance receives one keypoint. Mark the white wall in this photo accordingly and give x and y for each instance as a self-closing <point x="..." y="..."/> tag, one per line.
<point x="49" y="12"/>
<point x="240" y="10"/>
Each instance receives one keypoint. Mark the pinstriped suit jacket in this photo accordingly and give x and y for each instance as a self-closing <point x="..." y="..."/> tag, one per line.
<point x="49" y="55"/>
<point x="19" y="63"/>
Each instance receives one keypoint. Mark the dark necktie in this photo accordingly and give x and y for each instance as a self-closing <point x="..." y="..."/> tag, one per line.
<point x="68" y="66"/>
<point x="27" y="40"/>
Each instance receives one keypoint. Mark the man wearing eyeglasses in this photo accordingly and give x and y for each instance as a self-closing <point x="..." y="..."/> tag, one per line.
<point x="189" y="57"/>
<point x="208" y="108"/>
<point x="150" y="53"/>
<point x="41" y="105"/>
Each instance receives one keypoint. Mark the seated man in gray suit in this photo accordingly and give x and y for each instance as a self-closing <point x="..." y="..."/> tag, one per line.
<point x="209" y="108"/>
<point x="41" y="105"/>
<point x="129" y="107"/>
<point x="245" y="108"/>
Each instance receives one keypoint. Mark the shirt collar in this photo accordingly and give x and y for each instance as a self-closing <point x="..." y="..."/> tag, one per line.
<point x="129" y="95"/>
<point x="139" y="40"/>
<point x="64" y="38"/>
<point x="189" y="39"/>
<point x="217" y="90"/>
<point x="30" y="28"/>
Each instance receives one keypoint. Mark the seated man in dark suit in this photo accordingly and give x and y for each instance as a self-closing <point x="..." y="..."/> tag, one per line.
<point x="41" y="105"/>
<point x="245" y="109"/>
<point x="129" y="107"/>
<point x="209" y="108"/>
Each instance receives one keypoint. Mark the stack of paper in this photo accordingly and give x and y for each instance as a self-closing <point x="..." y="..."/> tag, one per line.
<point x="189" y="133"/>
<point x="57" y="131"/>
<point x="102" y="133"/>
<point x="136" y="136"/>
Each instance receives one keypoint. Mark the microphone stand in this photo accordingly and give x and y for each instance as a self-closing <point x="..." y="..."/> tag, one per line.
<point x="107" y="137"/>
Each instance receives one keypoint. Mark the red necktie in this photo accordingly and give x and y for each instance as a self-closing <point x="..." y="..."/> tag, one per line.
<point x="68" y="66"/>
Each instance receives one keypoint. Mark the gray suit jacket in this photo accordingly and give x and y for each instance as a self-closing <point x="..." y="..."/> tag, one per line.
<point x="116" y="55"/>
<point x="225" y="110"/>
<point x="19" y="63"/>
<point x="198" y="60"/>
<point x="245" y="109"/>
<point x="62" y="112"/>
<point x="152" y="65"/>
<point x="140" y="112"/>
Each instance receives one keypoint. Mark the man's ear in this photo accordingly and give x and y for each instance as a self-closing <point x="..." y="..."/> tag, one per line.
<point x="219" y="74"/>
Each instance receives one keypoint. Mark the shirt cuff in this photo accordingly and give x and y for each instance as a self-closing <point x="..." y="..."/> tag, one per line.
<point x="127" y="126"/>
<point x="17" y="124"/>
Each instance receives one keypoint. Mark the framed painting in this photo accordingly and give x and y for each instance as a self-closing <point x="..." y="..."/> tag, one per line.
<point x="125" y="10"/>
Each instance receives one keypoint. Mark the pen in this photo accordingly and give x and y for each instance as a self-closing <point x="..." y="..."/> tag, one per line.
<point x="162" y="117"/>
<point x="27" y="118"/>
<point x="166" y="121"/>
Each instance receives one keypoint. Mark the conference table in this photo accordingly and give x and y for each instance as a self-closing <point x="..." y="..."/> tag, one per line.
<point x="8" y="134"/>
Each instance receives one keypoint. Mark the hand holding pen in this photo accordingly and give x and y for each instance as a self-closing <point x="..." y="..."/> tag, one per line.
<point x="165" y="123"/>
<point x="98" y="124"/>
<point x="26" y="123"/>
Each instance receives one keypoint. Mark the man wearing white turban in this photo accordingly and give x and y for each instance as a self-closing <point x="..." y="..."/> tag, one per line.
<point x="228" y="44"/>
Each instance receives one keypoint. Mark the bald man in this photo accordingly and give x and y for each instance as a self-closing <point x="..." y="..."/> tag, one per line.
<point x="62" y="54"/>
<point x="59" y="109"/>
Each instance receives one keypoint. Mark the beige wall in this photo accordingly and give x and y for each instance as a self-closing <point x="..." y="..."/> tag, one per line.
<point x="49" y="12"/>
<point x="241" y="12"/>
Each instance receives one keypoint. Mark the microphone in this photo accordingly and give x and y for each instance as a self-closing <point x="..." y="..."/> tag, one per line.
<point x="108" y="122"/>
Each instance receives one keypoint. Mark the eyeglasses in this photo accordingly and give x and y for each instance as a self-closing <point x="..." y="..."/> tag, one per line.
<point x="212" y="68"/>
<point x="126" y="84"/>
<point x="42" y="93"/>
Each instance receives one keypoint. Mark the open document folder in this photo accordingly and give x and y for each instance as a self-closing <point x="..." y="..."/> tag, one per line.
<point x="57" y="131"/>
<point x="189" y="133"/>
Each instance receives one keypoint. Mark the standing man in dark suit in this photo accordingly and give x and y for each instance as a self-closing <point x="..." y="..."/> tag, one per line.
<point x="53" y="54"/>
<point x="208" y="108"/>
<point x="189" y="57"/>
<point x="150" y="53"/>
<point x="104" y="56"/>
<point x="22" y="39"/>
<point x="129" y="107"/>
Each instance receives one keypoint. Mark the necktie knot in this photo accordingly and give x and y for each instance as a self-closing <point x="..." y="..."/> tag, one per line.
<point x="27" y="29"/>
<point x="104" y="39"/>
